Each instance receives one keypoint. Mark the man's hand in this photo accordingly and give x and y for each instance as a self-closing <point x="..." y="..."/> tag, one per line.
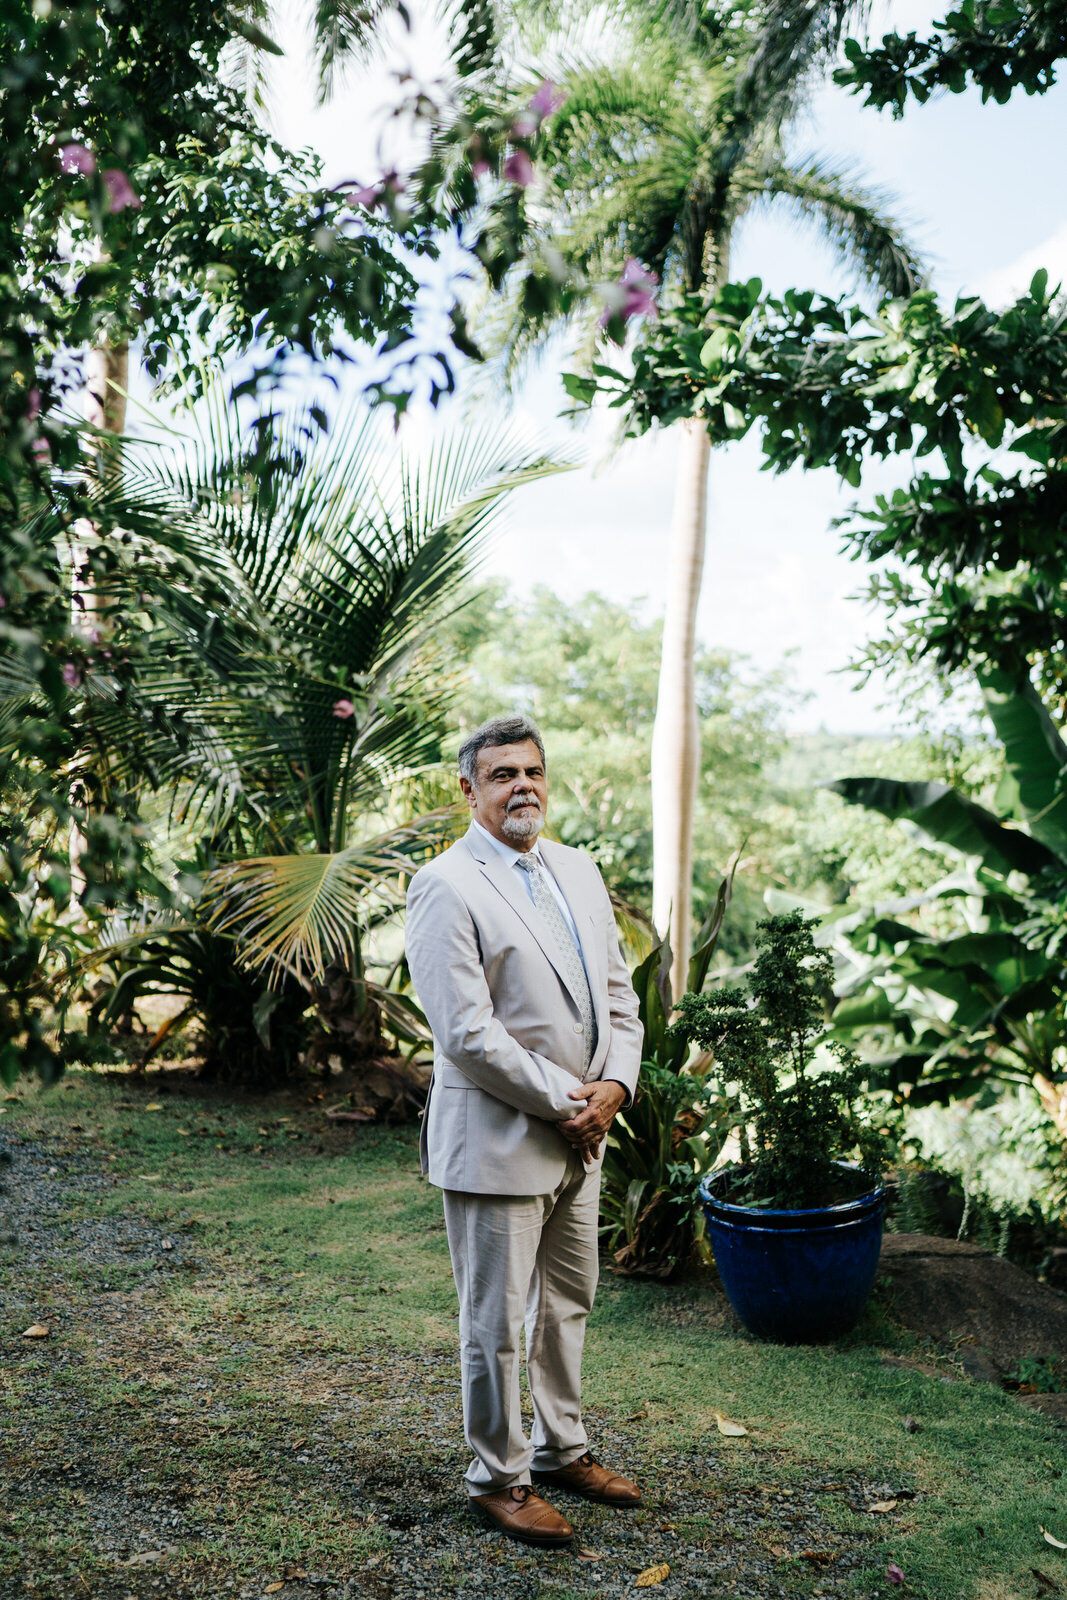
<point x="586" y="1129"/>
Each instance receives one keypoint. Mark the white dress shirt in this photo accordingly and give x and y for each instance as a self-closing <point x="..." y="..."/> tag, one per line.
<point x="511" y="856"/>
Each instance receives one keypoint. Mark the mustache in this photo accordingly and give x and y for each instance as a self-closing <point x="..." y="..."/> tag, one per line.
<point x="523" y="800"/>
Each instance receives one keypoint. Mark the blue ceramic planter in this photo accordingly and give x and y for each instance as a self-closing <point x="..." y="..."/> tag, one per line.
<point x="799" y="1277"/>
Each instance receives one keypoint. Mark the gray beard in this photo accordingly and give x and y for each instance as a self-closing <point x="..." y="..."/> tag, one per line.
<point x="525" y="827"/>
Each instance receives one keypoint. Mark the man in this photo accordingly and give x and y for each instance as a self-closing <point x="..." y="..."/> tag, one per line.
<point x="514" y="955"/>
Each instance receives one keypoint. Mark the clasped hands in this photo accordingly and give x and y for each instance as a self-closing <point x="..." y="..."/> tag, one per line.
<point x="586" y="1129"/>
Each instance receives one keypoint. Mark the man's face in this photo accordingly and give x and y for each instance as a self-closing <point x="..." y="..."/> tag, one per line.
<point x="510" y="795"/>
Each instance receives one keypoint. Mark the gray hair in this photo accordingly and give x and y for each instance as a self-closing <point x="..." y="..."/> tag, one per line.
<point x="498" y="731"/>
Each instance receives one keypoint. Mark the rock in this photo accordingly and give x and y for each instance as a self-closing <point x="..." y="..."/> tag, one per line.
<point x="986" y="1311"/>
<point x="1050" y="1405"/>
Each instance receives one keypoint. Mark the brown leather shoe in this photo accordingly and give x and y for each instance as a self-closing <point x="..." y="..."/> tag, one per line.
<point x="587" y="1477"/>
<point x="521" y="1514"/>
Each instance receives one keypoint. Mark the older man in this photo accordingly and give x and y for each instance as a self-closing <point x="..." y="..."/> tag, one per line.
<point x="514" y="955"/>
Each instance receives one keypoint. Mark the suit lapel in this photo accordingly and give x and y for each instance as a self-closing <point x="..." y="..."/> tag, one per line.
<point x="505" y="879"/>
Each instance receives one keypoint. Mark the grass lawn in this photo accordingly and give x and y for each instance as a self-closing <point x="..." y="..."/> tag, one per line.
<point x="250" y="1385"/>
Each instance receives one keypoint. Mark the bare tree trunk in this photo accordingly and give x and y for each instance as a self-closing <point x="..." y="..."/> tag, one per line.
<point x="676" y="738"/>
<point x="107" y="371"/>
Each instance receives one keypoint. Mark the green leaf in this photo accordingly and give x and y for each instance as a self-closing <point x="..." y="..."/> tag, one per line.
<point x="950" y="820"/>
<point x="1032" y="787"/>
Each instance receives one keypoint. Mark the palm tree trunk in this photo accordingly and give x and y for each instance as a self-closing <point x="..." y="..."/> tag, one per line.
<point x="676" y="737"/>
<point x="107" y="371"/>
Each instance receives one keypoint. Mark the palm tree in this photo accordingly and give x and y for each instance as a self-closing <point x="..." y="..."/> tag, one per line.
<point x="672" y="129"/>
<point x="292" y="578"/>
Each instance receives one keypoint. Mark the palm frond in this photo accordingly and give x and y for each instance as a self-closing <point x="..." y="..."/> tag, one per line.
<point x="795" y="38"/>
<point x="300" y="914"/>
<point x="313" y="567"/>
<point x="344" y="31"/>
<point x="853" y="217"/>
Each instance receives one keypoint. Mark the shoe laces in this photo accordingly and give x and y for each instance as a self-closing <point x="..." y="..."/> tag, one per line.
<point x="521" y="1492"/>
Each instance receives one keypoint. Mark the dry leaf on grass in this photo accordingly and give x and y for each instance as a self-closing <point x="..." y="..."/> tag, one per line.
<point x="732" y="1430"/>
<point x="651" y="1575"/>
<point x="588" y="1555"/>
<point x="893" y="1573"/>
<point x="1045" y="1581"/>
<point x="1050" y="1538"/>
<point x="155" y="1106"/>
<point x="818" y="1558"/>
<point x="291" y="1573"/>
<point x="272" y="1588"/>
<point x="36" y="1330"/>
<point x="882" y="1505"/>
<point x="639" y="1415"/>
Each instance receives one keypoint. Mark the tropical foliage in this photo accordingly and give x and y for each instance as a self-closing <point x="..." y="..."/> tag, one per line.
<point x="943" y="1015"/>
<point x="277" y="697"/>
<point x="795" y="1124"/>
<point x="999" y="48"/>
<point x="661" y="1146"/>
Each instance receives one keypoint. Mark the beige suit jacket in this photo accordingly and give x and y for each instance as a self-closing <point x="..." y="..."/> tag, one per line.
<point x="508" y="1037"/>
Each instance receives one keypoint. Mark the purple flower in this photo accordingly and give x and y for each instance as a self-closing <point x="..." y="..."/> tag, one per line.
<point x="343" y="708"/>
<point x="77" y="158"/>
<point x="71" y="676"/>
<point x="525" y="125"/>
<point x="547" y="99"/>
<point x="120" y="190"/>
<point x="633" y="296"/>
<point x="893" y="1573"/>
<point x="361" y="195"/>
<point x="480" y="167"/>
<point x="33" y="404"/>
<point x="518" y="169"/>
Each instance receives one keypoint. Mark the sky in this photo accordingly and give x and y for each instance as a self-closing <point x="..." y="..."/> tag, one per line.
<point x="983" y="191"/>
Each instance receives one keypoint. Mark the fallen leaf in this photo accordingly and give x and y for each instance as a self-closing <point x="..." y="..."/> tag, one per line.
<point x="893" y="1573"/>
<point x="1045" y="1582"/>
<point x="145" y="1558"/>
<point x="291" y="1573"/>
<point x="239" y="1316"/>
<point x="882" y="1505"/>
<point x="37" y="1330"/>
<point x="666" y="1527"/>
<point x="732" y="1430"/>
<point x="1057" y="1544"/>
<point x="779" y="1550"/>
<point x="155" y="1106"/>
<point x="589" y="1555"/>
<point x="150" y="1177"/>
<point x="272" y="1588"/>
<point x="637" y="1415"/>
<point x="651" y="1575"/>
<point x="186" y="1133"/>
<point x="818" y="1558"/>
<point x="166" y="1244"/>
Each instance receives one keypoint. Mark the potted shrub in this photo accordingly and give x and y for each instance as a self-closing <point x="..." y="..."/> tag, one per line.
<point x="796" y="1225"/>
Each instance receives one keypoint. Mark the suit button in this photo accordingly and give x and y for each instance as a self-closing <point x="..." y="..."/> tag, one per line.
<point x="579" y="1027"/>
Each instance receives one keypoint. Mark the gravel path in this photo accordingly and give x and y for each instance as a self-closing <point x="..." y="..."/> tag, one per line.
<point x="156" y="1493"/>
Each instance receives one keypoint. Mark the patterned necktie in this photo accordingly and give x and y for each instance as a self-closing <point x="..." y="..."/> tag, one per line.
<point x="568" y="952"/>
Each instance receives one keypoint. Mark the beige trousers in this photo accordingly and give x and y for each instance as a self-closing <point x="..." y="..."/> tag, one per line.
<point x="523" y="1260"/>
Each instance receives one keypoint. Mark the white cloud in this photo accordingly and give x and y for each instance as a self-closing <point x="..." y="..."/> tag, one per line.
<point x="1006" y="284"/>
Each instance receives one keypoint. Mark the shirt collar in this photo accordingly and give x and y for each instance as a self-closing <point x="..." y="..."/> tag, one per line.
<point x="506" y="851"/>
